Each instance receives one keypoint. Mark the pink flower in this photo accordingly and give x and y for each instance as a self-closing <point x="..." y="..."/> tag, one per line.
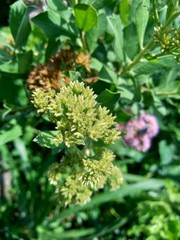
<point x="139" y="132"/>
<point x="38" y="4"/>
<point x="151" y="123"/>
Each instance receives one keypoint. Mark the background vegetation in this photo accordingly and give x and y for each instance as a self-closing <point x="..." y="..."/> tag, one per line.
<point x="133" y="50"/>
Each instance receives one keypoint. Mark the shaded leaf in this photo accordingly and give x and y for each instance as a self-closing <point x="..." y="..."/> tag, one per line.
<point x="51" y="24"/>
<point x="11" y="87"/>
<point x="131" y="44"/>
<point x="24" y="61"/>
<point x="108" y="99"/>
<point x="122" y="116"/>
<point x="9" y="132"/>
<point x="147" y="98"/>
<point x="166" y="152"/>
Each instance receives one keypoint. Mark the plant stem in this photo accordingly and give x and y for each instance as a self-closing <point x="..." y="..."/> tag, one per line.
<point x="83" y="39"/>
<point x="170" y="19"/>
<point x="155" y="12"/>
<point x="139" y="56"/>
<point x="151" y="42"/>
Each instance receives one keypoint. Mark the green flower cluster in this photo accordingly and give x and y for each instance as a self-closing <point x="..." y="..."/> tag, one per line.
<point x="78" y="175"/>
<point x="85" y="128"/>
<point x="169" y="42"/>
<point x="76" y="114"/>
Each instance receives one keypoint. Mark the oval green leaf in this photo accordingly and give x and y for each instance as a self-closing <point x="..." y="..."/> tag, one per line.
<point x="19" y="23"/>
<point x="142" y="17"/>
<point x="85" y="17"/>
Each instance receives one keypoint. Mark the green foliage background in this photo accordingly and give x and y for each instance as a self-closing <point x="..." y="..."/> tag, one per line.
<point x="137" y="61"/>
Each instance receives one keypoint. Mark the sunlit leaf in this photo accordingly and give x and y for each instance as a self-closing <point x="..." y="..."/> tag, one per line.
<point x="19" y="23"/>
<point x="124" y="9"/>
<point x="142" y="17"/>
<point x="56" y="5"/>
<point x="116" y="28"/>
<point x="50" y="23"/>
<point x="85" y="16"/>
<point x="47" y="139"/>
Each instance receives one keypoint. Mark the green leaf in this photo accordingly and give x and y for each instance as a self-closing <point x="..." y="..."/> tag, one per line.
<point x="108" y="75"/>
<point x="142" y="17"/>
<point x="153" y="66"/>
<point x="137" y="92"/>
<point x="108" y="99"/>
<point x="125" y="92"/>
<point x="124" y="191"/>
<point x="168" y="86"/>
<point x="85" y="17"/>
<point x="19" y="23"/>
<point x="122" y="116"/>
<point x="130" y="36"/>
<point x="11" y="87"/>
<point x="74" y="75"/>
<point x="22" y="152"/>
<point x="100" y="3"/>
<point x="166" y="152"/>
<point x="115" y="28"/>
<point x="124" y="9"/>
<point x="93" y="34"/>
<point x="51" y="24"/>
<point x="24" y="61"/>
<point x="56" y="5"/>
<point x="69" y="234"/>
<point x="47" y="139"/>
<point x="9" y="132"/>
<point x="148" y="99"/>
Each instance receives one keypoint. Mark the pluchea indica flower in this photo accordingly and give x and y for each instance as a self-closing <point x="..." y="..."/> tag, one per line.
<point x="76" y="114"/>
<point x="169" y="41"/>
<point x="140" y="131"/>
<point x="85" y="128"/>
<point x="79" y="175"/>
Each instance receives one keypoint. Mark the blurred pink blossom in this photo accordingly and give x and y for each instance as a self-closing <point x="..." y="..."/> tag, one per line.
<point x="38" y="4"/>
<point x="139" y="132"/>
<point x="151" y="123"/>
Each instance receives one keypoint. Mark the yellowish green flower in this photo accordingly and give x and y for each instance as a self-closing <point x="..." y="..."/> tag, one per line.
<point x="78" y="175"/>
<point x="80" y="120"/>
<point x="77" y="114"/>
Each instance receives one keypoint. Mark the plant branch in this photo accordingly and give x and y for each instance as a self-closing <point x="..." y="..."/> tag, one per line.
<point x="84" y="43"/>
<point x="139" y="56"/>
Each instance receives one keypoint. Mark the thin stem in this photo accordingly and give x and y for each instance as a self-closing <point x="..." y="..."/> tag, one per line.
<point x="21" y="109"/>
<point x="170" y="19"/>
<point x="84" y="43"/>
<point x="156" y="17"/>
<point x="139" y="56"/>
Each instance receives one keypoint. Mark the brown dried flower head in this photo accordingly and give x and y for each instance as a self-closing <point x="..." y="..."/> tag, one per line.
<point x="84" y="60"/>
<point x="55" y="73"/>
